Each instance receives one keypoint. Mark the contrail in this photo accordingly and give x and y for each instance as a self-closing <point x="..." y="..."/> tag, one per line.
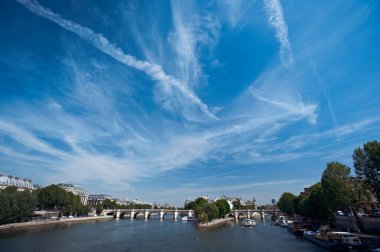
<point x="99" y="41"/>
<point x="277" y="20"/>
<point x="328" y="99"/>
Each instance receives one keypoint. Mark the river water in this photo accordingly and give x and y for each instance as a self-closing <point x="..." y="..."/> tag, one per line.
<point x="152" y="235"/>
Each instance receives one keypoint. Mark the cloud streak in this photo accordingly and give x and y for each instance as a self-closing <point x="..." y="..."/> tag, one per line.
<point x="99" y="41"/>
<point x="308" y="111"/>
<point x="328" y="99"/>
<point x="277" y="21"/>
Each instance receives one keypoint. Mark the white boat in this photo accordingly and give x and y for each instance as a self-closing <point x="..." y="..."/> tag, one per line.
<point x="282" y="221"/>
<point x="186" y="218"/>
<point x="248" y="223"/>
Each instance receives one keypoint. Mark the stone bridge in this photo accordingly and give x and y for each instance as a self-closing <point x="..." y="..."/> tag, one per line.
<point x="250" y="213"/>
<point x="132" y="213"/>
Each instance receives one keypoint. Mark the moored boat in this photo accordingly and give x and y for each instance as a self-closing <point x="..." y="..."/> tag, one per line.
<point x="334" y="240"/>
<point x="248" y="223"/>
<point x="186" y="218"/>
<point x="317" y="239"/>
<point x="282" y="221"/>
<point x="296" y="228"/>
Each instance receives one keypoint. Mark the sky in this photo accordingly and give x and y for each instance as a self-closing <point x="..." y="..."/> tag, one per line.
<point x="169" y="100"/>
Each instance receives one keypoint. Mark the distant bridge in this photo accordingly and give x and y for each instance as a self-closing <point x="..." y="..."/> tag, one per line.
<point x="132" y="213"/>
<point x="250" y="213"/>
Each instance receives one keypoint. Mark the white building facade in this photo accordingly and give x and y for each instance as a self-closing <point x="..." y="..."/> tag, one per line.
<point x="21" y="184"/>
<point x="76" y="190"/>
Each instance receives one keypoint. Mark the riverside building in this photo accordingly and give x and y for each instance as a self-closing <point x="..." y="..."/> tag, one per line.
<point x="21" y="184"/>
<point x="77" y="190"/>
<point x="97" y="199"/>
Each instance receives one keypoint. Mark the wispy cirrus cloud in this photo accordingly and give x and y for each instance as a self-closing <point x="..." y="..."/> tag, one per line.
<point x="276" y="19"/>
<point x="236" y="12"/>
<point x="327" y="96"/>
<point x="195" y="34"/>
<point x="99" y="41"/>
<point x="299" y="108"/>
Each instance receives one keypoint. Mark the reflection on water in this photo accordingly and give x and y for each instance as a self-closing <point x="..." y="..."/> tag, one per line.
<point x="152" y="235"/>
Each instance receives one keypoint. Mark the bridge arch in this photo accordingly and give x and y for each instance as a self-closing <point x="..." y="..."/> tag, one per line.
<point x="141" y="212"/>
<point x="111" y="213"/>
<point x="122" y="214"/>
<point x="154" y="212"/>
<point x="167" y="213"/>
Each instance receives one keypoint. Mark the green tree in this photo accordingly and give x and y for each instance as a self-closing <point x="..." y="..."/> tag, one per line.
<point x="335" y="184"/>
<point x="223" y="206"/>
<point x="212" y="211"/>
<point x="314" y="206"/>
<point x="201" y="202"/>
<point x="52" y="197"/>
<point x="190" y="205"/>
<point x="285" y="203"/>
<point x="99" y="209"/>
<point x="202" y="216"/>
<point x="367" y="165"/>
<point x="73" y="205"/>
<point x="297" y="204"/>
<point x="203" y="210"/>
<point x="110" y="204"/>
<point x="10" y="189"/>
<point x="16" y="206"/>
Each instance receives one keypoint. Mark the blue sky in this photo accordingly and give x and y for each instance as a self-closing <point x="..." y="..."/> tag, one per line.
<point x="168" y="100"/>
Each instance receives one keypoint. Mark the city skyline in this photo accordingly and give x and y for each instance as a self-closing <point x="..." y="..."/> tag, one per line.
<point x="177" y="99"/>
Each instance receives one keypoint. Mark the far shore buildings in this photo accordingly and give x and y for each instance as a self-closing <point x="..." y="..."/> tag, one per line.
<point x="76" y="190"/>
<point x="21" y="184"/>
<point x="97" y="199"/>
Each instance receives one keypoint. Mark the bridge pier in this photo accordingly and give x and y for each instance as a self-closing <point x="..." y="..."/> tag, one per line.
<point x="176" y="213"/>
<point x="161" y="215"/>
<point x="132" y="213"/>
<point x="262" y="214"/>
<point x="146" y="214"/>
<point x="118" y="214"/>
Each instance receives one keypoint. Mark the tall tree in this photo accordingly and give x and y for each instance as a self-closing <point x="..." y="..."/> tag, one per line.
<point x="52" y="197"/>
<point x="285" y="203"/>
<point x="314" y="206"/>
<point x="367" y="165"/>
<point x="335" y="185"/>
<point x="297" y="202"/>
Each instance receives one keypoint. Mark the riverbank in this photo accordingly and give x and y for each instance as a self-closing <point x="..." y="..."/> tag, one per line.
<point x="214" y="223"/>
<point x="50" y="222"/>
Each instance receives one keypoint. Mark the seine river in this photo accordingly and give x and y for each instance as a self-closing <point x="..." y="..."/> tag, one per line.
<point x="152" y="235"/>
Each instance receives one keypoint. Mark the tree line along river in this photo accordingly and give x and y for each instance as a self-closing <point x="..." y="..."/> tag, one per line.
<point x="152" y="235"/>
